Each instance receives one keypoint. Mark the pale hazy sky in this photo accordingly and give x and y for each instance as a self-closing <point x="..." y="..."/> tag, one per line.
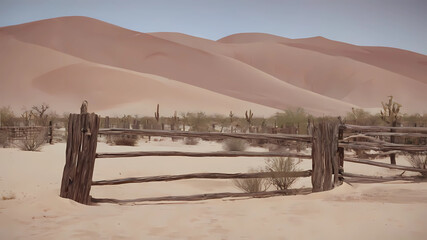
<point x="393" y="23"/>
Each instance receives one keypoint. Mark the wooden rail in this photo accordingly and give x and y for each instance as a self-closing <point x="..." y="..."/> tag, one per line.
<point x="384" y="165"/>
<point x="383" y="147"/>
<point x="205" y="196"/>
<point x="168" y="178"/>
<point x="366" y="178"/>
<point x="203" y="154"/>
<point x="384" y="129"/>
<point x="206" y="135"/>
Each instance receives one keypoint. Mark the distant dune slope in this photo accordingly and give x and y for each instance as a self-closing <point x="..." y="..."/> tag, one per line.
<point x="402" y="62"/>
<point x="320" y="75"/>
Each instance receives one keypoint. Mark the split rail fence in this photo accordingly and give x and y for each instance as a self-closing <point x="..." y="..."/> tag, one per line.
<point x="83" y="131"/>
<point x="14" y="133"/>
<point x="328" y="142"/>
<point x="381" y="140"/>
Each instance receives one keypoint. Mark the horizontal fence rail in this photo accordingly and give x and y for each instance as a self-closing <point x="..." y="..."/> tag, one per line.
<point x="383" y="147"/>
<point x="383" y="129"/>
<point x="202" y="154"/>
<point x="167" y="178"/>
<point x="369" y="178"/>
<point x="206" y="196"/>
<point x="207" y="135"/>
<point x="384" y="165"/>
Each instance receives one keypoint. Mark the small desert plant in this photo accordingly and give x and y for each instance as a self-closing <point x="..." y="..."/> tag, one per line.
<point x="33" y="141"/>
<point x="8" y="196"/>
<point x="191" y="141"/>
<point x="281" y="164"/>
<point x="125" y="140"/>
<point x="418" y="161"/>
<point x="234" y="144"/>
<point x="3" y="139"/>
<point x="251" y="185"/>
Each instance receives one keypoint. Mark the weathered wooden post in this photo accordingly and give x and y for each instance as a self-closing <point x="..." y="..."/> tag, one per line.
<point x="80" y="155"/>
<point x="341" y="150"/>
<point x="325" y="156"/>
<point x="50" y="132"/>
<point x="107" y="122"/>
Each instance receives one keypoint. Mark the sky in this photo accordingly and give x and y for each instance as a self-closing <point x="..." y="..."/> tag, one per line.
<point x="391" y="23"/>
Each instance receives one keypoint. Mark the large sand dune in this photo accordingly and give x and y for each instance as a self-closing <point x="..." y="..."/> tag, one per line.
<point x="320" y="75"/>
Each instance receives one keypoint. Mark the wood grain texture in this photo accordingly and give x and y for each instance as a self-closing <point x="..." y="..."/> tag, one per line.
<point x="80" y="157"/>
<point x="384" y="165"/>
<point x="203" y="154"/>
<point x="208" y="196"/>
<point x="201" y="176"/>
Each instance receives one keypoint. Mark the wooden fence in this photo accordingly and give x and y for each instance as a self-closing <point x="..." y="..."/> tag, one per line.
<point x="83" y="130"/>
<point x="328" y="141"/>
<point x="16" y="133"/>
<point x="380" y="139"/>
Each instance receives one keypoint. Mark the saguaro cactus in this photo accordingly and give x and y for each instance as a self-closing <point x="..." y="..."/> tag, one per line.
<point x="390" y="114"/>
<point x="231" y="115"/>
<point x="249" y="116"/>
<point x="156" y="114"/>
<point x="175" y="120"/>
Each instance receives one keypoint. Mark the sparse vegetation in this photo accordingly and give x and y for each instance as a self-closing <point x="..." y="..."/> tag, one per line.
<point x="125" y="140"/>
<point x="3" y="139"/>
<point x="418" y="161"/>
<point x="234" y="144"/>
<point x="33" y="141"/>
<point x="8" y="196"/>
<point x="252" y="185"/>
<point x="281" y="164"/>
<point x="191" y="141"/>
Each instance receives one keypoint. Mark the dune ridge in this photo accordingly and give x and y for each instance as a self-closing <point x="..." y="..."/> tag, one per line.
<point x="253" y="69"/>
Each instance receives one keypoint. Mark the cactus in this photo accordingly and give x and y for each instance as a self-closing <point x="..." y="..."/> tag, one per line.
<point x="391" y="114"/>
<point x="156" y="114"/>
<point x="231" y="115"/>
<point x="175" y="120"/>
<point x="249" y="116"/>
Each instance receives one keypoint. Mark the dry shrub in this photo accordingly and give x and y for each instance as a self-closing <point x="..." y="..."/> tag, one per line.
<point x="281" y="164"/>
<point x="33" y="141"/>
<point x="191" y="141"/>
<point x="252" y="185"/>
<point x="3" y="139"/>
<point x="125" y="140"/>
<point x="8" y="196"/>
<point x="418" y="161"/>
<point x="234" y="144"/>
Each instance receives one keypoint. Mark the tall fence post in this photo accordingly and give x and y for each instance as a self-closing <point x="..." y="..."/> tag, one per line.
<point x="325" y="156"/>
<point x="80" y="156"/>
<point x="50" y="132"/>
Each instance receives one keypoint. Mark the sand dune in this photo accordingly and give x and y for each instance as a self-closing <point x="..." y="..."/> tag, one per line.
<point x="320" y="75"/>
<point x="148" y="54"/>
<point x="51" y="75"/>
<point x="336" y="76"/>
<point x="402" y="62"/>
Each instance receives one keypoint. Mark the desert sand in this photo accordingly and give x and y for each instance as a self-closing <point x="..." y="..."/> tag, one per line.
<point x="394" y="210"/>
<point x="43" y="59"/>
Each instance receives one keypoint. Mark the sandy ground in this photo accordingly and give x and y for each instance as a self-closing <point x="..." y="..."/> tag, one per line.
<point x="394" y="210"/>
